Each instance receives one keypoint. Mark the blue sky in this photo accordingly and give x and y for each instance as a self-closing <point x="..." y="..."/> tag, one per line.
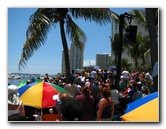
<point x="47" y="59"/>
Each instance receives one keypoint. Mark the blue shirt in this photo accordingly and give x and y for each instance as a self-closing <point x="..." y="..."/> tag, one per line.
<point x="131" y="92"/>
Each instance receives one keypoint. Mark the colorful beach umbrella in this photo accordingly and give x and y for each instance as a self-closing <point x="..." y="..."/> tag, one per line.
<point x="25" y="82"/>
<point x="145" y="109"/>
<point x="39" y="94"/>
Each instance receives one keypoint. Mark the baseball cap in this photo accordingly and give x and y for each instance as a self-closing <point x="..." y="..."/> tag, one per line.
<point x="56" y="97"/>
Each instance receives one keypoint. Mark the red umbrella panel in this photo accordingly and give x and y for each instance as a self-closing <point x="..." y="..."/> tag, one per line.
<point x="39" y="94"/>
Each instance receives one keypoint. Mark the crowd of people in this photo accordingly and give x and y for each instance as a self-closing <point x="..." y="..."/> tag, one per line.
<point x="94" y="96"/>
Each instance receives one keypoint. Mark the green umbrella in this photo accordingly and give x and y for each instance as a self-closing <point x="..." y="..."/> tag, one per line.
<point x="25" y="82"/>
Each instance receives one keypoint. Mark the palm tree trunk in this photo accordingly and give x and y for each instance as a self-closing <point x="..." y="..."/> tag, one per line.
<point x="153" y="42"/>
<point x="136" y="62"/>
<point x="143" y="62"/>
<point x="65" y="48"/>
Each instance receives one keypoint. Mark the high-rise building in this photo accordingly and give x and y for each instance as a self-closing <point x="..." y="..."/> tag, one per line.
<point x="76" y="57"/>
<point x="103" y="60"/>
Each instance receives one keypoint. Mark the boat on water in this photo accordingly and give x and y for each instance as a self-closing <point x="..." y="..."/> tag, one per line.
<point x="18" y="76"/>
<point x="11" y="76"/>
<point x="14" y="76"/>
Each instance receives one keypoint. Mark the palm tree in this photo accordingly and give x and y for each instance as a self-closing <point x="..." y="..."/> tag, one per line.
<point x="150" y="21"/>
<point x="135" y="51"/>
<point x="152" y="24"/>
<point x="114" y="46"/>
<point x="45" y="18"/>
<point x="140" y="18"/>
<point x="125" y="63"/>
<point x="144" y="49"/>
<point x="139" y="49"/>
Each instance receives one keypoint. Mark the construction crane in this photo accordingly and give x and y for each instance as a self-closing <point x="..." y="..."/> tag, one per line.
<point x="89" y="63"/>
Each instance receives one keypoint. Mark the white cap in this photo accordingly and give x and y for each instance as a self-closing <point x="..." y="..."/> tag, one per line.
<point x="56" y="97"/>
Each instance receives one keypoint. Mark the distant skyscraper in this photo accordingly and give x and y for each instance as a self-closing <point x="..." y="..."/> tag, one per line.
<point x="103" y="60"/>
<point x="76" y="57"/>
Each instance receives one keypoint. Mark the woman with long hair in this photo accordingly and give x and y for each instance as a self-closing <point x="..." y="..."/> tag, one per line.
<point x="88" y="102"/>
<point x="105" y="106"/>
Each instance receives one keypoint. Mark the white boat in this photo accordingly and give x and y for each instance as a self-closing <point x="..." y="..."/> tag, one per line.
<point x="18" y="76"/>
<point x="11" y="75"/>
<point x="14" y="76"/>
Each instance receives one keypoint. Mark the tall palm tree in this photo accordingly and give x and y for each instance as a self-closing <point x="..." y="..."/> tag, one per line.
<point x="125" y="63"/>
<point x="140" y="18"/>
<point x="45" y="18"/>
<point x="152" y="24"/>
<point x="135" y="51"/>
<point x="144" y="49"/>
<point x="150" y="21"/>
<point x="114" y="46"/>
<point x="139" y="50"/>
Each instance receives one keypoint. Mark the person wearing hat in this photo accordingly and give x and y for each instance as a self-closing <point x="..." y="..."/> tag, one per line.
<point x="15" y="105"/>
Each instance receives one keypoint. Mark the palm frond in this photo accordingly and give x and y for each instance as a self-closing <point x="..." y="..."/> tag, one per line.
<point x="75" y="33"/>
<point x="36" y="35"/>
<point x="114" y="16"/>
<point x="147" y="53"/>
<point x="140" y="18"/>
<point x="99" y="15"/>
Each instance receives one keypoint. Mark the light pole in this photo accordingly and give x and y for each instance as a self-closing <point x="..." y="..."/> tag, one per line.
<point x="121" y="26"/>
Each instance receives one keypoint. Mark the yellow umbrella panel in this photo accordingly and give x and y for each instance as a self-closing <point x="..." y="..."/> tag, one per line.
<point x="143" y="110"/>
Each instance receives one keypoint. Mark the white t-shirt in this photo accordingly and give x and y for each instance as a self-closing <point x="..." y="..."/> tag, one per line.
<point x="87" y="84"/>
<point x="93" y="74"/>
<point x="79" y="88"/>
<point x="125" y="74"/>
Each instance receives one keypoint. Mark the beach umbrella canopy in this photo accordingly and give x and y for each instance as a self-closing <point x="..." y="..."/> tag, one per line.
<point x="145" y="109"/>
<point x="25" y="82"/>
<point x="39" y="94"/>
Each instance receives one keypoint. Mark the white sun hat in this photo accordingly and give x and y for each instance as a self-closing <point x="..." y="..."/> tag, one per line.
<point x="13" y="95"/>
